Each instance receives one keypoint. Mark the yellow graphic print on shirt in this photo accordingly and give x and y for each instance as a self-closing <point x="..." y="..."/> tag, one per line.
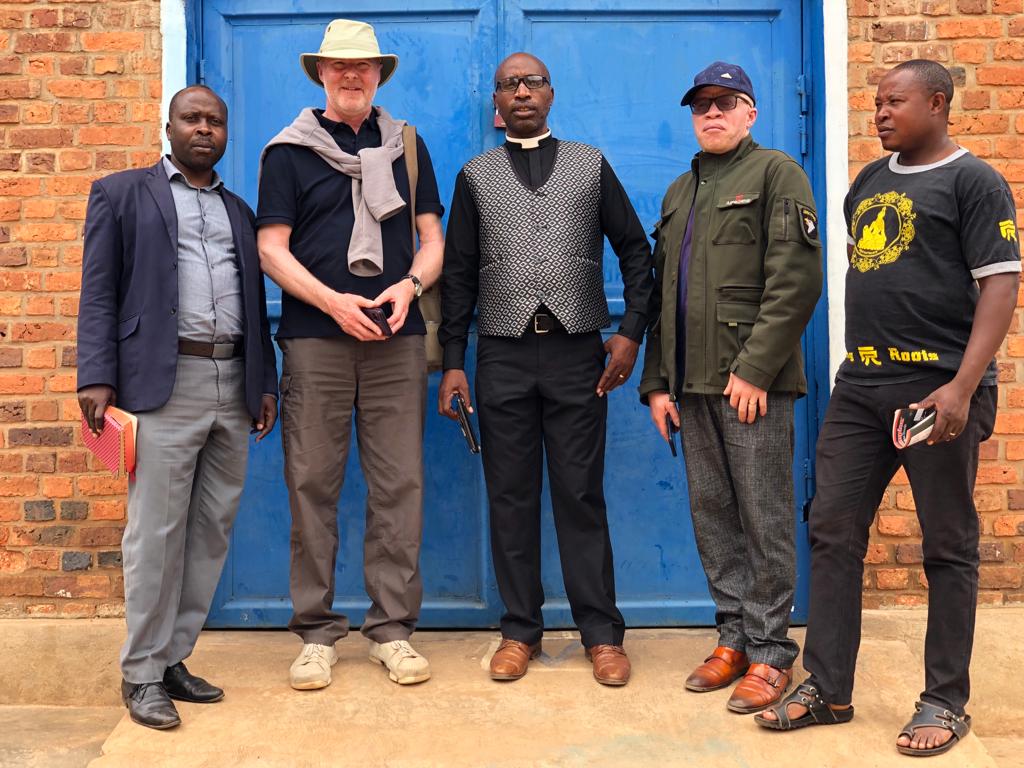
<point x="868" y="355"/>
<point x="882" y="229"/>
<point x="873" y="238"/>
<point x="1008" y="230"/>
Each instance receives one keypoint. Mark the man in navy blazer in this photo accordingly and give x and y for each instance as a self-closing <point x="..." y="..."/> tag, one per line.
<point x="173" y="327"/>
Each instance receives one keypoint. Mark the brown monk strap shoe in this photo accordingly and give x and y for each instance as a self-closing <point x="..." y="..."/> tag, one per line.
<point x="509" y="662"/>
<point x="718" y="670"/>
<point x="611" y="665"/>
<point x="761" y="687"/>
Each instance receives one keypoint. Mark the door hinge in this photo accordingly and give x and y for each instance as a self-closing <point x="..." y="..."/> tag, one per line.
<point x="202" y="71"/>
<point x="803" y="85"/>
<point x="803" y="91"/>
<point x="809" y="488"/>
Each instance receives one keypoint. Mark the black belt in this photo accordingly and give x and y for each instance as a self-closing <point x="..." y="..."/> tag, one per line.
<point x="542" y="323"/>
<point x="209" y="349"/>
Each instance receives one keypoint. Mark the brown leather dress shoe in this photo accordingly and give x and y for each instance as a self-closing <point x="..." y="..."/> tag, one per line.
<point x="760" y="688"/>
<point x="611" y="665"/>
<point x="718" y="670"/>
<point x="511" y="659"/>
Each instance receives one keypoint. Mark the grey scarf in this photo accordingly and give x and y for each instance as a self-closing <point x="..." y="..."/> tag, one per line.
<point x="374" y="196"/>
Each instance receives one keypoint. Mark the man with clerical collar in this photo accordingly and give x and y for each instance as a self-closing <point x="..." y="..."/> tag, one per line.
<point x="738" y="263"/>
<point x="336" y="233"/>
<point x="525" y="243"/>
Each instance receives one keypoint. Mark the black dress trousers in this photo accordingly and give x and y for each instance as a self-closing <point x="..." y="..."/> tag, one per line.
<point x="536" y="395"/>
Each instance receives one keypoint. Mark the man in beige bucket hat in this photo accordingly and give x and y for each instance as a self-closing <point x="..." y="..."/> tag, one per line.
<point x="335" y="232"/>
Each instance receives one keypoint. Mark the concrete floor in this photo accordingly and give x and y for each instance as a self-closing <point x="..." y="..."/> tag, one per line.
<point x="556" y="716"/>
<point x="54" y="737"/>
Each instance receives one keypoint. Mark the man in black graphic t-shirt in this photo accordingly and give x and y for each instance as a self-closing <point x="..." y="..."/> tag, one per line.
<point x="931" y="288"/>
<point x="920" y="238"/>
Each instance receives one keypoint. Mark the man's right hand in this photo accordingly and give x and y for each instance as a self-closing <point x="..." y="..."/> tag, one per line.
<point x="346" y="309"/>
<point x="660" y="405"/>
<point x="94" y="401"/>
<point x="453" y="382"/>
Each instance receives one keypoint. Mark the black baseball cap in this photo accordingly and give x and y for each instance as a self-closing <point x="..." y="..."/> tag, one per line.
<point x="721" y="73"/>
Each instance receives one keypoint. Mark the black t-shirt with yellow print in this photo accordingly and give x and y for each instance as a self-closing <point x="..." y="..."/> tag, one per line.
<point x="920" y="236"/>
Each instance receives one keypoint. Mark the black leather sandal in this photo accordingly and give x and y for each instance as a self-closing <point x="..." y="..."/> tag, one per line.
<point x="931" y="716"/>
<point x="818" y="711"/>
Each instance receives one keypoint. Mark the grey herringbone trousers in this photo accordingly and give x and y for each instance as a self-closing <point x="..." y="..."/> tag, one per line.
<point x="740" y="478"/>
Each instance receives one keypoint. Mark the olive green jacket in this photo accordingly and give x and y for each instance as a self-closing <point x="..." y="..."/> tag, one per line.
<point x="754" y="274"/>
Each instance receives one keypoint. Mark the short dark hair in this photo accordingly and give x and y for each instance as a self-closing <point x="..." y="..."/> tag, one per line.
<point x="932" y="75"/>
<point x="199" y="87"/>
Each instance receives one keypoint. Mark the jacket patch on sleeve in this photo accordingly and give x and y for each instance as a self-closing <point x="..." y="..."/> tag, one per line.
<point x="809" y="219"/>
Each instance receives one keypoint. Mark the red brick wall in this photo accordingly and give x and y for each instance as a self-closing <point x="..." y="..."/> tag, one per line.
<point x="982" y="43"/>
<point x="79" y="98"/>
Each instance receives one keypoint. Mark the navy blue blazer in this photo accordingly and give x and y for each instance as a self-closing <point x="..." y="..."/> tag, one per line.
<point x="127" y="316"/>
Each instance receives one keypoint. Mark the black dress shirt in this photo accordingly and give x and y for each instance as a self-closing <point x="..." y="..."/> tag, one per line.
<point x="619" y="223"/>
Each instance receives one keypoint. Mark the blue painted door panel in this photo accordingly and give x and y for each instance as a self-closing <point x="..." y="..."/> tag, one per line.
<point x="619" y="68"/>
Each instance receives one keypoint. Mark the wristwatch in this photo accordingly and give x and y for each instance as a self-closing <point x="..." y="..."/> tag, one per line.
<point x="416" y="283"/>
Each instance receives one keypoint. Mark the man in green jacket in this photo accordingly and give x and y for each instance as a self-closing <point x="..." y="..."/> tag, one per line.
<point x="738" y="266"/>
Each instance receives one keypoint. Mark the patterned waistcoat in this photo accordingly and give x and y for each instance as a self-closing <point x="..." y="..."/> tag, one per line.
<point x="541" y="246"/>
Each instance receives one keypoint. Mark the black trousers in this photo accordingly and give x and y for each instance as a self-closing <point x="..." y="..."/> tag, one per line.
<point x="536" y="395"/>
<point x="855" y="462"/>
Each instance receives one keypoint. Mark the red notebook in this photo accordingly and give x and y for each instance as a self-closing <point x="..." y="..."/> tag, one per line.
<point x="115" y="446"/>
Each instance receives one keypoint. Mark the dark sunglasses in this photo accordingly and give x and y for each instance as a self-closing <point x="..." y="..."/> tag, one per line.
<point x="726" y="102"/>
<point x="510" y="84"/>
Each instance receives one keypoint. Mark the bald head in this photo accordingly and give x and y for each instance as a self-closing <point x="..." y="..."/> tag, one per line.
<point x="522" y="60"/>
<point x="524" y="108"/>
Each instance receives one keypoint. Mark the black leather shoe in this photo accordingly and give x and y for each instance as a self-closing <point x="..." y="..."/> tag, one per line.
<point x="149" y="705"/>
<point x="184" y="686"/>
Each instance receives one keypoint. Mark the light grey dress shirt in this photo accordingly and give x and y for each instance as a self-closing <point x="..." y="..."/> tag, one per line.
<point x="209" y="284"/>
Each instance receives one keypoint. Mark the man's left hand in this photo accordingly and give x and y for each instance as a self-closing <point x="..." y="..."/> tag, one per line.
<point x="952" y="405"/>
<point x="268" y="417"/>
<point x="400" y="295"/>
<point x="621" y="359"/>
<point x="746" y="399"/>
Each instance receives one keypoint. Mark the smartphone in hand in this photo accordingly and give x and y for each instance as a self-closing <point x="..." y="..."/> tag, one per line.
<point x="912" y="425"/>
<point x="465" y="425"/>
<point x="671" y="429"/>
<point x="379" y="316"/>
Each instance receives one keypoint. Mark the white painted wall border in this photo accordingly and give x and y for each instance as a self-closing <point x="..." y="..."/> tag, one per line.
<point x="173" y="33"/>
<point x="837" y="142"/>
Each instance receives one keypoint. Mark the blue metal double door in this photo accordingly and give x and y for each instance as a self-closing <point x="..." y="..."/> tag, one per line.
<point x="619" y="68"/>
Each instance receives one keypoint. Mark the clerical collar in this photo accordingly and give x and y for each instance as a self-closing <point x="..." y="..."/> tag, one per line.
<point x="531" y="143"/>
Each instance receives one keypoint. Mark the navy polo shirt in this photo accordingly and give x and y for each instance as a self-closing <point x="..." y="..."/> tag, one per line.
<point x="299" y="189"/>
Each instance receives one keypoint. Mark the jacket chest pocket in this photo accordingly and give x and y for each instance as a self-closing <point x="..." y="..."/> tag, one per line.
<point x="735" y="322"/>
<point x="737" y="220"/>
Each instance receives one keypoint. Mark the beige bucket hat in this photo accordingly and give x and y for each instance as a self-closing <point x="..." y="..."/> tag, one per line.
<point x="345" y="39"/>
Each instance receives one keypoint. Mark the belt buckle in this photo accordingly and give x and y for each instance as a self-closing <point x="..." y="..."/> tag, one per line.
<point x="537" y="327"/>
<point x="223" y="351"/>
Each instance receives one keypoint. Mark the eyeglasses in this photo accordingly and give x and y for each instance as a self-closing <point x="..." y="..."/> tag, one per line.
<point x="726" y="102"/>
<point x="510" y="84"/>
